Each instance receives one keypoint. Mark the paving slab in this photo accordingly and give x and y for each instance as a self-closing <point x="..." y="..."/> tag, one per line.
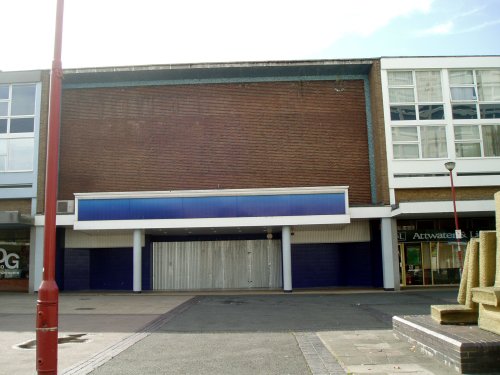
<point x="103" y="320"/>
<point x="316" y="333"/>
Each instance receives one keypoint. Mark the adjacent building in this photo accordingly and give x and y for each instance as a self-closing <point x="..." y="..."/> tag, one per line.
<point x="23" y="125"/>
<point x="436" y="110"/>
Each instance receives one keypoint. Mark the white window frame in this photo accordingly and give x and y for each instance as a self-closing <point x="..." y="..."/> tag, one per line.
<point x="8" y="136"/>
<point x="416" y="103"/>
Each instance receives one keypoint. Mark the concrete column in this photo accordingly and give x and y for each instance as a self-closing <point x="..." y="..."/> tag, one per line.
<point x="287" y="259"/>
<point x="390" y="262"/>
<point x="137" y="260"/>
<point x="36" y="258"/>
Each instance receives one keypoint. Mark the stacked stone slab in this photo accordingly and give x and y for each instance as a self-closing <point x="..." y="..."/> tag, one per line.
<point x="487" y="295"/>
<point x="466" y="312"/>
<point x="479" y="293"/>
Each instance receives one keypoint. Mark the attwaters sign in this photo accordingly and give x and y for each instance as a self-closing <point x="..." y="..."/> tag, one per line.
<point x="436" y="236"/>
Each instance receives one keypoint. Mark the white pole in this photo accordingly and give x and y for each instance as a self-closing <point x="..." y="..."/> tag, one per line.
<point x="137" y="261"/>
<point x="390" y="263"/>
<point x="287" y="259"/>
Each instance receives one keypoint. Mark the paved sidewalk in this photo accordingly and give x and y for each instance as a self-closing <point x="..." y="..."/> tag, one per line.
<point x="298" y="333"/>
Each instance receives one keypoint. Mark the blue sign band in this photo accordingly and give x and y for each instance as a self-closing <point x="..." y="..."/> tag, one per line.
<point x="211" y="207"/>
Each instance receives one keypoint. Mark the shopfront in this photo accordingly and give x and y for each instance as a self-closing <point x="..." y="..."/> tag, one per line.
<point x="430" y="254"/>
<point x="430" y="258"/>
<point x="14" y="259"/>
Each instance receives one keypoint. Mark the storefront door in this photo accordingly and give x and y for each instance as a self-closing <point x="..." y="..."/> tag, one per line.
<point x="430" y="263"/>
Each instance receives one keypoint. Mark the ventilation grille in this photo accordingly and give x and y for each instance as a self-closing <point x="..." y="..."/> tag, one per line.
<point x="65" y="207"/>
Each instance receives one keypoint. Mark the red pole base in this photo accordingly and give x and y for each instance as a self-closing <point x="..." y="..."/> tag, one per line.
<point x="47" y="327"/>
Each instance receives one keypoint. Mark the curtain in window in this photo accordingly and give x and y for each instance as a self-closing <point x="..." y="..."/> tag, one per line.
<point x="466" y="132"/>
<point x="405" y="151"/>
<point x="429" y="86"/>
<point x="402" y="78"/>
<point x="433" y="140"/>
<point x="461" y="77"/>
<point x="488" y="84"/>
<point x="491" y="140"/>
<point x="463" y="93"/>
<point x="404" y="134"/>
<point x="401" y="95"/>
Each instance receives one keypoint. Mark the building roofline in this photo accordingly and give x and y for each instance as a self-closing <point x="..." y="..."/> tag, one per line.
<point x="215" y="65"/>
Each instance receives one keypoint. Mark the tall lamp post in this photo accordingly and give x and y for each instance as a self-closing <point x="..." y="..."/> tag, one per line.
<point x="47" y="309"/>
<point x="450" y="166"/>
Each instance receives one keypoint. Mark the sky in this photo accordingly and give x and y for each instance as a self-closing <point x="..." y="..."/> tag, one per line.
<point x="99" y="33"/>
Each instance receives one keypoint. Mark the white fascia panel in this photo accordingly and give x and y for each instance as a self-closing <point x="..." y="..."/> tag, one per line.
<point x="444" y="207"/>
<point x="451" y="62"/>
<point x="213" y="222"/>
<point x="61" y="220"/>
<point x="370" y="212"/>
<point x="436" y="166"/>
<point x="214" y="192"/>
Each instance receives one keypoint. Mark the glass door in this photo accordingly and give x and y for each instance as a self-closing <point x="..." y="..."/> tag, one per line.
<point x="413" y="264"/>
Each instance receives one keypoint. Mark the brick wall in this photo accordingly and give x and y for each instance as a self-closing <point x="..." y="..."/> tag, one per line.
<point x="42" y="150"/>
<point x="443" y="194"/>
<point x="253" y="135"/>
<point x="21" y="205"/>
<point x="382" y="180"/>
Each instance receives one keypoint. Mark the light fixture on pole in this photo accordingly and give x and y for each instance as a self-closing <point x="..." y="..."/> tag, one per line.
<point x="450" y="166"/>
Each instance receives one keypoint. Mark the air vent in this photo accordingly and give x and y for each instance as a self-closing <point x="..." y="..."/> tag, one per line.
<point x="65" y="207"/>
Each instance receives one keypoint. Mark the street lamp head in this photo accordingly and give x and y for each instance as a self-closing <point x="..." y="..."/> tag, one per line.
<point x="450" y="165"/>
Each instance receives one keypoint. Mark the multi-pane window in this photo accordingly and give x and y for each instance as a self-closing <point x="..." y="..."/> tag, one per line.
<point x="17" y="127"/>
<point x="415" y="95"/>
<point x="475" y="94"/>
<point x="477" y="140"/>
<point x="475" y="98"/>
<point x="414" y="142"/>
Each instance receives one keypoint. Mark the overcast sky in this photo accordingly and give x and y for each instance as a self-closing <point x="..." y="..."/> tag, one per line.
<point x="132" y="32"/>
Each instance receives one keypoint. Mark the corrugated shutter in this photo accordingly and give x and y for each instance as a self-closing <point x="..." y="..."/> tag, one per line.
<point x="217" y="265"/>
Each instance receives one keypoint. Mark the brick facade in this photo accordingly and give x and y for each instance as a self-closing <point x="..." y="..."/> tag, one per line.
<point x="377" y="110"/>
<point x="42" y="149"/>
<point x="21" y="205"/>
<point x="210" y="136"/>
<point x="444" y="194"/>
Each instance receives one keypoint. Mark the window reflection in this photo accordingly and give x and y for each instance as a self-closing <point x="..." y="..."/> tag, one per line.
<point x="490" y="110"/>
<point x="3" y="126"/>
<point x="22" y="125"/>
<point x="464" y="111"/>
<point x="403" y="112"/>
<point x="23" y="100"/>
<point x="431" y="112"/>
<point x="21" y="154"/>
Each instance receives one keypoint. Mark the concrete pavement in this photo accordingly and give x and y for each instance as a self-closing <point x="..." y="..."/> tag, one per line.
<point x="245" y="333"/>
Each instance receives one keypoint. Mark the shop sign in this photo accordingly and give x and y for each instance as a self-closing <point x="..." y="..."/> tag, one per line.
<point x="406" y="236"/>
<point x="9" y="264"/>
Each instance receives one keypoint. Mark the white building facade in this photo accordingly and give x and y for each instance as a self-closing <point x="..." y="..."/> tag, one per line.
<point x="438" y="110"/>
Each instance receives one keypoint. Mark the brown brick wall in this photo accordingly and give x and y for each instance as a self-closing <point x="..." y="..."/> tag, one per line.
<point x="377" y="108"/>
<point x="21" y="205"/>
<point x="42" y="150"/>
<point x="443" y="194"/>
<point x="255" y="135"/>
